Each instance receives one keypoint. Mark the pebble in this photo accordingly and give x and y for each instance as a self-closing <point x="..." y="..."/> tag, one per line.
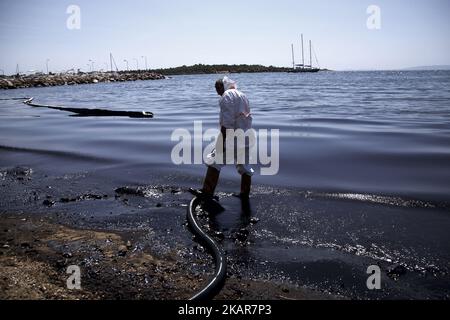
<point x="122" y="250"/>
<point x="67" y="255"/>
<point x="219" y="235"/>
<point x="254" y="220"/>
<point x="396" y="271"/>
<point x="48" y="203"/>
<point x="128" y="245"/>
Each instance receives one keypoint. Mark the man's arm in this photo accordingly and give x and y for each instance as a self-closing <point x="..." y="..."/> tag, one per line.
<point x="227" y="113"/>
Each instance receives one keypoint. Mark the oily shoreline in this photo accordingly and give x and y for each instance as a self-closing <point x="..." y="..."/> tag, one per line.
<point x="61" y="79"/>
<point x="119" y="256"/>
<point x="36" y="253"/>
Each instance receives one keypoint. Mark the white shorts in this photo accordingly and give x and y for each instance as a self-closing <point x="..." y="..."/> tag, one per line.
<point x="241" y="168"/>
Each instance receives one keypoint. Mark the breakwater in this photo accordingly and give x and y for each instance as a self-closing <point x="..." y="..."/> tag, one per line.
<point x="49" y="80"/>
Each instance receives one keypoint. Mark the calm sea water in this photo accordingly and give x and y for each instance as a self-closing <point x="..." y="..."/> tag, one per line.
<point x="367" y="132"/>
<point x="372" y="148"/>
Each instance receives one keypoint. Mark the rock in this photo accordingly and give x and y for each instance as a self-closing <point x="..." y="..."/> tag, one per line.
<point x="397" y="271"/>
<point x="199" y="248"/>
<point x="129" y="245"/>
<point x="6" y="84"/>
<point x="20" y="172"/>
<point x="242" y="235"/>
<point x="432" y="269"/>
<point x="90" y="196"/>
<point x="254" y="220"/>
<point x="135" y="191"/>
<point x="48" y="203"/>
<point x="25" y="245"/>
<point x="67" y="255"/>
<point x="60" y="264"/>
<point x="219" y="235"/>
<point x="122" y="251"/>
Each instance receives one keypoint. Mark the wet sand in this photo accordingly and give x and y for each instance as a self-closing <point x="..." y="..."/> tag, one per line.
<point x="43" y="230"/>
<point x="131" y="241"/>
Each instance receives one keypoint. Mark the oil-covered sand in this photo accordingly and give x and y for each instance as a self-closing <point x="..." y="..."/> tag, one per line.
<point x="49" y="223"/>
<point x="131" y="241"/>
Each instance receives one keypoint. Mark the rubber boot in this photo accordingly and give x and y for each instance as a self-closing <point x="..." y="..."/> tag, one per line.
<point x="211" y="179"/>
<point x="246" y="182"/>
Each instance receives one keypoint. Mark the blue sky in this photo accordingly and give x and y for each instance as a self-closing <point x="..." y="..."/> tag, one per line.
<point x="172" y="33"/>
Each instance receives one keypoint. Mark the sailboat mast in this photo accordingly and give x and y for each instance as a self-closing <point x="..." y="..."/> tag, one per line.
<point x="303" y="54"/>
<point x="310" y="55"/>
<point x="293" y="59"/>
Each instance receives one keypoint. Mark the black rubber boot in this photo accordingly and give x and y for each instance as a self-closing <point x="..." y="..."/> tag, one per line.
<point x="246" y="182"/>
<point x="210" y="182"/>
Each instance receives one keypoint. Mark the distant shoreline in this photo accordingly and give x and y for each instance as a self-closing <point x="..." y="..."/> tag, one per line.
<point x="61" y="79"/>
<point x="219" y="69"/>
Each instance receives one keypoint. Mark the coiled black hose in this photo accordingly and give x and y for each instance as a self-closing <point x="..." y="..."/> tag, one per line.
<point x="217" y="281"/>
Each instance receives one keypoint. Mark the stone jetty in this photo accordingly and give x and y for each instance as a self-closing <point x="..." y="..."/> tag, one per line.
<point x="61" y="79"/>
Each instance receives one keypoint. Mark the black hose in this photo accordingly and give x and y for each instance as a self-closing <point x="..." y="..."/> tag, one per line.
<point x="217" y="281"/>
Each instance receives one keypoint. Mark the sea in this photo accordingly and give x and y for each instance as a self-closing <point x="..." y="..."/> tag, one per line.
<point x="363" y="179"/>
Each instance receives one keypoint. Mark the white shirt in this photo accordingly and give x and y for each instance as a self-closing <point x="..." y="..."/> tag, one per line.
<point x="235" y="110"/>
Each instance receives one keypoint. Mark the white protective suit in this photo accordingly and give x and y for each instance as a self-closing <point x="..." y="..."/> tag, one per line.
<point x="234" y="114"/>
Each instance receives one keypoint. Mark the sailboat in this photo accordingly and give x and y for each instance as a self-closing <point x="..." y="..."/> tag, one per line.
<point x="302" y="67"/>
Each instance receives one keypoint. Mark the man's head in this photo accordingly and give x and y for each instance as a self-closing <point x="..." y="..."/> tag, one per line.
<point x="220" y="87"/>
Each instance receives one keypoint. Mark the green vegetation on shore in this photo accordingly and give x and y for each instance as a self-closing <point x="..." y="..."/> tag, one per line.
<point x="218" y="68"/>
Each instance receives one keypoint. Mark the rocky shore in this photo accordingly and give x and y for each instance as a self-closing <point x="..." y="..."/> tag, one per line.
<point x="61" y="79"/>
